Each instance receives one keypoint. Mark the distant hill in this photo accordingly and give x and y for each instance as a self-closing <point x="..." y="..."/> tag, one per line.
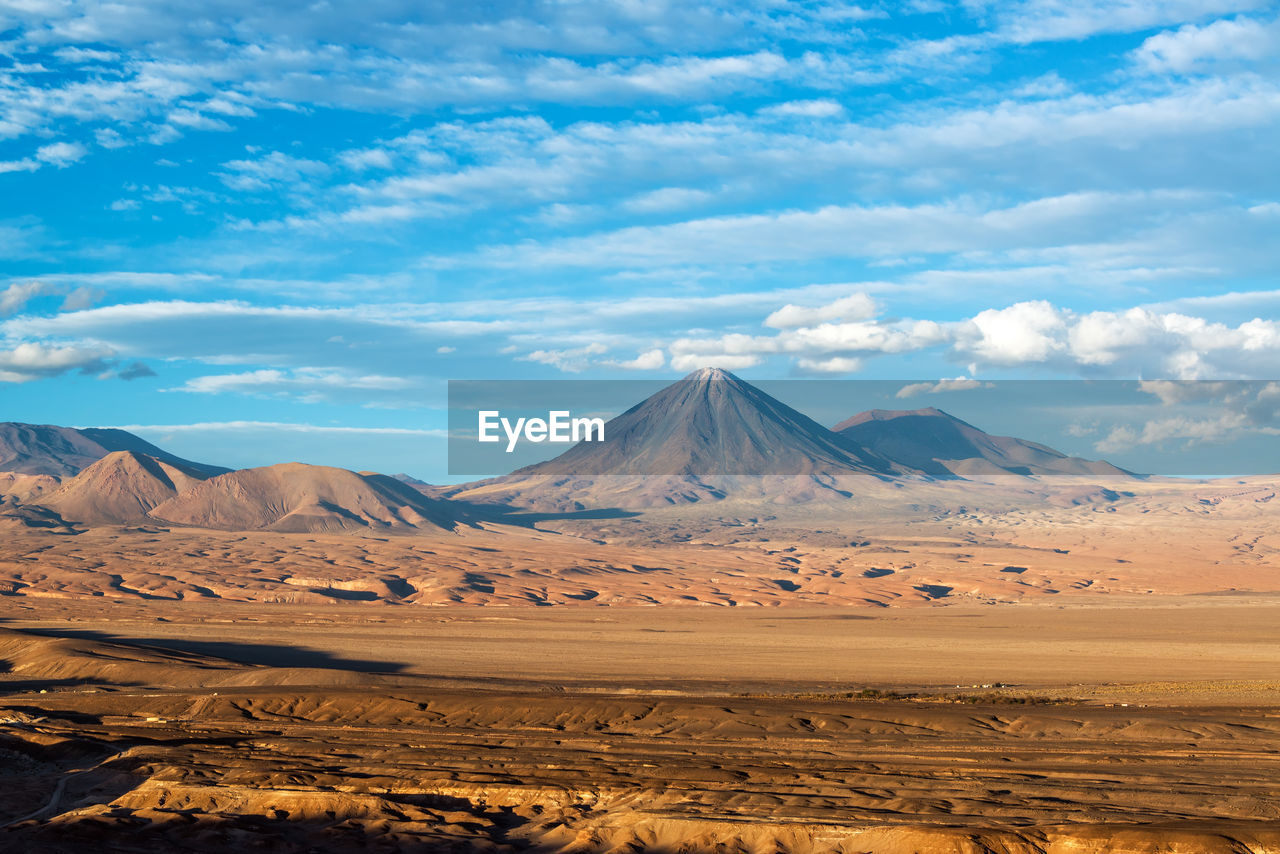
<point x="26" y="487"/>
<point x="294" y="497"/>
<point x="66" y="451"/>
<point x="935" y="443"/>
<point x="410" y="480"/>
<point x="121" y="488"/>
<point x="112" y="477"/>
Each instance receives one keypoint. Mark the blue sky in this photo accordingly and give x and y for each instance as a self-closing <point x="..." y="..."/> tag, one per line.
<point x="257" y="232"/>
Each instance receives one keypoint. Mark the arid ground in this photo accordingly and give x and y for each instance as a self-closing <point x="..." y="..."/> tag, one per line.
<point x="960" y="668"/>
<point x="1118" y="722"/>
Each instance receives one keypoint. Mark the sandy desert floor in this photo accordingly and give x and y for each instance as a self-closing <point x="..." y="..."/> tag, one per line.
<point x="1141" y="726"/>
<point x="1072" y="671"/>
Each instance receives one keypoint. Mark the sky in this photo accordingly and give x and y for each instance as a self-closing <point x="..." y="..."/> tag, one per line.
<point x="258" y="232"/>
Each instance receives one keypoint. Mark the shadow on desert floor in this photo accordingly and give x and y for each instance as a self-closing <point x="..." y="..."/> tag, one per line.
<point x="261" y="654"/>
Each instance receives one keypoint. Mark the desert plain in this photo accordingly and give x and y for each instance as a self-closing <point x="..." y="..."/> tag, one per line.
<point x="1000" y="667"/>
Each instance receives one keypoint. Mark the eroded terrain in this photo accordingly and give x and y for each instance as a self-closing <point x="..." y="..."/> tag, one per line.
<point x="345" y="729"/>
<point x="973" y="671"/>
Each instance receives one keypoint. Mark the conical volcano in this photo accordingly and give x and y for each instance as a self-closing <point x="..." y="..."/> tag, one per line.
<point x="707" y="437"/>
<point x="713" y="423"/>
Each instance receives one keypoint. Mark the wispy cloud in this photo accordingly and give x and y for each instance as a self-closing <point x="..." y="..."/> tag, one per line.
<point x="279" y="427"/>
<point x="306" y="383"/>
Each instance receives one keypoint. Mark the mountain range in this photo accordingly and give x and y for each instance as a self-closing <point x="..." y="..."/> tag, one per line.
<point x="128" y="488"/>
<point x="65" y="451"/>
<point x="708" y="436"/>
<point x="711" y="436"/>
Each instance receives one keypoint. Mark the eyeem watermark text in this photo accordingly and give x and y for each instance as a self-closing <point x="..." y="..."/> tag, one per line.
<point x="558" y="426"/>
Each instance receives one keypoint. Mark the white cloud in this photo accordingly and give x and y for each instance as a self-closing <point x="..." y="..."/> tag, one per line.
<point x="61" y="154"/>
<point x="819" y="109"/>
<point x="592" y="170"/>
<point x="1184" y="430"/>
<point x="1050" y="84"/>
<point x="311" y="383"/>
<point x="277" y="426"/>
<point x="1190" y="46"/>
<point x="85" y="55"/>
<point x="957" y="384"/>
<point x="26" y="164"/>
<point x="1027" y="335"/>
<point x="58" y="154"/>
<point x="193" y="120"/>
<point x="1171" y="392"/>
<point x="692" y="361"/>
<point x="1031" y="21"/>
<point x="1023" y="333"/>
<point x="81" y="298"/>
<point x="649" y="360"/>
<point x="15" y="297"/>
<point x="1135" y="342"/>
<point x="665" y="199"/>
<point x="599" y="170"/>
<point x="570" y="360"/>
<point x="857" y="306"/>
<point x="358" y="160"/>
<point x="851" y="231"/>
<point x="273" y="170"/>
<point x="1251" y="403"/>
<point x="31" y="360"/>
<point x="833" y="365"/>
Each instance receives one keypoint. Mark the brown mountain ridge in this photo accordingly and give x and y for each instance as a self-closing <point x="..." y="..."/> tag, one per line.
<point x="119" y="489"/>
<point x="294" y="497"/>
<point x="708" y="437"/>
<point x="65" y="451"/>
<point x="936" y="443"/>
